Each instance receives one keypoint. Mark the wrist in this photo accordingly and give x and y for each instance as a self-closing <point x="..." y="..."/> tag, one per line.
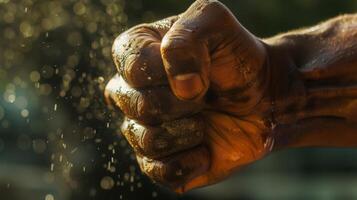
<point x="285" y="94"/>
<point x="314" y="89"/>
<point x="287" y="90"/>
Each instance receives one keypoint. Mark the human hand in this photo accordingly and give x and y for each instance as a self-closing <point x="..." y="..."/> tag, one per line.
<point x="194" y="89"/>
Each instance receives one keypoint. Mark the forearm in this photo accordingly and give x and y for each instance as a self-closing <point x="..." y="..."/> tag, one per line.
<point x="314" y="84"/>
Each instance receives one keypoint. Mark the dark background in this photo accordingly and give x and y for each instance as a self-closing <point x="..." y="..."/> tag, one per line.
<point x="59" y="141"/>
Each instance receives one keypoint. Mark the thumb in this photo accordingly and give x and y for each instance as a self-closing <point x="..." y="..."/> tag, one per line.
<point x="187" y="66"/>
<point x="207" y="46"/>
<point x="185" y="48"/>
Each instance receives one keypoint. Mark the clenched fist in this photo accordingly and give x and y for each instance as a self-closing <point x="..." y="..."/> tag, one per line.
<point x="201" y="95"/>
<point x="191" y="87"/>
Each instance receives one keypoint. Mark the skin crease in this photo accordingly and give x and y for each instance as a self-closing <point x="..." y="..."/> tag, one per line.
<point x="203" y="97"/>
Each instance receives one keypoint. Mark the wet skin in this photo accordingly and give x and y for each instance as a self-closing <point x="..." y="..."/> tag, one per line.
<point x="203" y="97"/>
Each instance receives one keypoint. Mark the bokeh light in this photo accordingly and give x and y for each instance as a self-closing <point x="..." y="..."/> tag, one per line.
<point x="55" y="60"/>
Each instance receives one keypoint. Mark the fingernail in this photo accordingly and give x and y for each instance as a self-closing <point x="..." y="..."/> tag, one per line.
<point x="187" y="86"/>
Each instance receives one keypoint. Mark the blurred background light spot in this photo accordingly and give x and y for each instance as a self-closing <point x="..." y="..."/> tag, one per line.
<point x="10" y="97"/>
<point x="49" y="197"/>
<point x="76" y="91"/>
<point x="26" y="29"/>
<point x="107" y="183"/>
<point x="25" y="113"/>
<point x="79" y="8"/>
<point x="39" y="146"/>
<point x="45" y="89"/>
<point x="35" y="76"/>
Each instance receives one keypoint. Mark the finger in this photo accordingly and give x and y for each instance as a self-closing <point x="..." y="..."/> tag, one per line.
<point x="176" y="170"/>
<point x="185" y="49"/>
<point x="140" y="65"/>
<point x="149" y="106"/>
<point x="137" y="56"/>
<point x="166" y="139"/>
<point x="206" y="47"/>
<point x="186" y="63"/>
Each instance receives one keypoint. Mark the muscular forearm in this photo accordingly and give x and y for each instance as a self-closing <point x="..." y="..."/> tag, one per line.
<point x="314" y="84"/>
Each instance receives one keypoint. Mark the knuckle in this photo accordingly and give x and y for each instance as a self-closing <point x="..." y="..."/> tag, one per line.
<point x="118" y="50"/>
<point x="169" y="174"/>
<point x="145" y="140"/>
<point x="141" y="108"/>
<point x="157" y="105"/>
<point x="131" y="42"/>
<point x="174" y="42"/>
<point x="144" y="67"/>
<point x="188" y="132"/>
<point x="172" y="174"/>
<point x="183" y="55"/>
<point x="217" y="6"/>
<point x="176" y="171"/>
<point x="125" y="103"/>
<point x="160" y="141"/>
<point x="136" y="104"/>
<point x="139" y="105"/>
<point x="149" y="106"/>
<point x="131" y="69"/>
<point x="147" y="109"/>
<point x="152" y="145"/>
<point x="215" y="3"/>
